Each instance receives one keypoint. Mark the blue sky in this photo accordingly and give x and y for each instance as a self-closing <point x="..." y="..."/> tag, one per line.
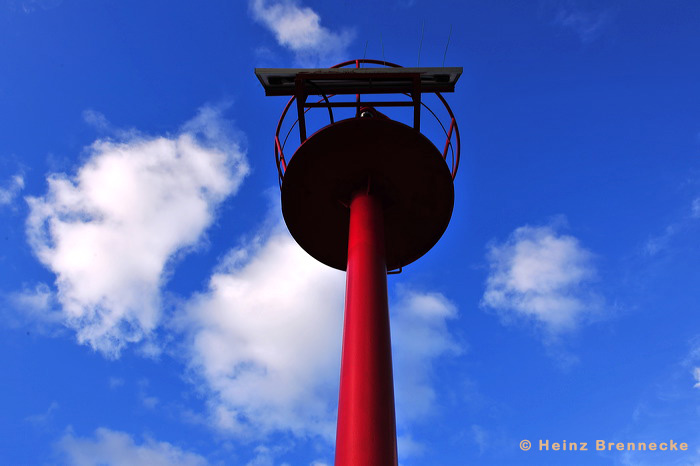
<point x="156" y="311"/>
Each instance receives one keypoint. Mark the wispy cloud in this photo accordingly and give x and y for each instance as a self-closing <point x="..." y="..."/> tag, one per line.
<point x="43" y="418"/>
<point x="32" y="307"/>
<point x="408" y="447"/>
<point x="669" y="406"/>
<point x="115" y="382"/>
<point x="299" y="29"/>
<point x="11" y="189"/>
<point x="109" y="231"/>
<point x="586" y="21"/>
<point x="420" y="336"/>
<point x="663" y="241"/>
<point x="660" y="242"/>
<point x="30" y="6"/>
<point x="97" y="120"/>
<point x="119" y="448"/>
<point x="540" y="275"/>
<point x="480" y="437"/>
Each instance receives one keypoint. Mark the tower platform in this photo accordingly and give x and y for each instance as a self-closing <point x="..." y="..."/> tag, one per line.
<point x="392" y="161"/>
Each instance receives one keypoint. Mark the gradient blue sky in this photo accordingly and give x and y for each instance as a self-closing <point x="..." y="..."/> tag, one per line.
<point x="156" y="311"/>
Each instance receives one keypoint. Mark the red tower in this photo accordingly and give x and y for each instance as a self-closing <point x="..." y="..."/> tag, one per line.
<point x="369" y="195"/>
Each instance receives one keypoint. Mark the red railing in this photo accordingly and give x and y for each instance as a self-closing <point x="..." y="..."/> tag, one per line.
<point x="416" y="102"/>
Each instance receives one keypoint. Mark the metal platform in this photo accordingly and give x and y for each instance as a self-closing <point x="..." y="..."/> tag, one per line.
<point x="319" y="81"/>
<point x="394" y="162"/>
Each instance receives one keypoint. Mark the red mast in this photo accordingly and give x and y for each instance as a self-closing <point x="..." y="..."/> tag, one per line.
<point x="369" y="195"/>
<point x="366" y="421"/>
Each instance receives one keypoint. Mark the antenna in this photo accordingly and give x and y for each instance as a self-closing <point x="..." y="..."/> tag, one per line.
<point x="448" y="44"/>
<point x="420" y="46"/>
<point x="381" y="41"/>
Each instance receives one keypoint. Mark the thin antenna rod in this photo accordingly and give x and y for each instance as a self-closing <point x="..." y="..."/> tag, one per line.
<point x="448" y="44"/>
<point x="422" y="30"/>
<point x="382" y="42"/>
<point x="365" y="55"/>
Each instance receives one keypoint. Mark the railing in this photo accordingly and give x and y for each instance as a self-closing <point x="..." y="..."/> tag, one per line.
<point x="324" y="101"/>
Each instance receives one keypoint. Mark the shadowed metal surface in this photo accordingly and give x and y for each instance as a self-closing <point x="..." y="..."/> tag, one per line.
<point x="395" y="162"/>
<point x="281" y="81"/>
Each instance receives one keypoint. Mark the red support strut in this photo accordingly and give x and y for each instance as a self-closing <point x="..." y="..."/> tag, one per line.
<point x="366" y="434"/>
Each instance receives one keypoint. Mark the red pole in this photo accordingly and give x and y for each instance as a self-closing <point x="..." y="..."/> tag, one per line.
<point x="366" y="434"/>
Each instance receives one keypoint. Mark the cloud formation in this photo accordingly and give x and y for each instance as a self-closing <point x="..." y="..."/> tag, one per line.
<point x="109" y="231"/>
<point x="299" y="29"/>
<point x="43" y="418"/>
<point x="119" y="448"/>
<point x="9" y="192"/>
<point x="265" y="341"/>
<point x="420" y="337"/>
<point x="540" y="275"/>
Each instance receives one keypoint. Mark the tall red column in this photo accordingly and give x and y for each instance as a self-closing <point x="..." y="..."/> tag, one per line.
<point x="366" y="434"/>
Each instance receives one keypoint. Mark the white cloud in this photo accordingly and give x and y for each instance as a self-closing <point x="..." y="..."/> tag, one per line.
<point x="696" y="376"/>
<point x="541" y="275"/>
<point x="12" y="188"/>
<point x="265" y="342"/>
<point x="264" y="457"/>
<point x="420" y="336"/>
<point x="97" y="120"/>
<point x="119" y="449"/>
<point x="299" y="29"/>
<point x="695" y="208"/>
<point x="109" y="231"/>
